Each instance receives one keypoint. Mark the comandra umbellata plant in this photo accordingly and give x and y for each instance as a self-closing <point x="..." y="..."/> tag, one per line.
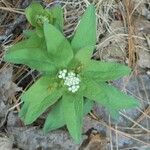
<point x="71" y="81"/>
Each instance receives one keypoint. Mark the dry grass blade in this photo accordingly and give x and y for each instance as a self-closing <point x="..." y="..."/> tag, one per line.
<point x="142" y="117"/>
<point x="129" y="5"/>
<point x="118" y="131"/>
<point x="14" y="10"/>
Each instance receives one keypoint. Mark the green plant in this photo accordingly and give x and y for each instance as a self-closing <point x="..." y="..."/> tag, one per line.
<point x="71" y="80"/>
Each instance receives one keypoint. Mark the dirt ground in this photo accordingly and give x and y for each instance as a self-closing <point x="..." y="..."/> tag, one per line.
<point x="123" y="35"/>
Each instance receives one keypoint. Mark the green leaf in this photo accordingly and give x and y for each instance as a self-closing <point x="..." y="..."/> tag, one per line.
<point x="58" y="47"/>
<point x="30" y="52"/>
<point x="33" y="41"/>
<point x="32" y="12"/>
<point x="38" y="98"/>
<point x="84" y="55"/>
<point x="73" y="112"/>
<point x="35" y="60"/>
<point x="93" y="91"/>
<point x="85" y="34"/>
<point x="39" y="86"/>
<point x="28" y="33"/>
<point x="58" y="20"/>
<point x="88" y="105"/>
<point x="55" y="118"/>
<point x="36" y="15"/>
<point x="23" y="110"/>
<point x="105" y="71"/>
<point x="108" y="96"/>
<point x="116" y="99"/>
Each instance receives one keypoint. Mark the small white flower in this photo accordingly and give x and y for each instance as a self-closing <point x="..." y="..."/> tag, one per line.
<point x="69" y="89"/>
<point x="71" y="74"/>
<point x="62" y="74"/>
<point x="64" y="70"/>
<point x="148" y="72"/>
<point x="59" y="76"/>
<point x="77" y="87"/>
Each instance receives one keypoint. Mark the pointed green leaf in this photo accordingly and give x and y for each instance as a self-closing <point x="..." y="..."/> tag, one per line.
<point x="28" y="33"/>
<point x="55" y="118"/>
<point x="41" y="85"/>
<point x="58" y="47"/>
<point x="30" y="52"/>
<point x="88" y="105"/>
<point x="117" y="99"/>
<point x="108" y="96"/>
<point x="73" y="112"/>
<point x="93" y="91"/>
<point x="84" y="55"/>
<point x="58" y="20"/>
<point x="105" y="71"/>
<point x="23" y="110"/>
<point x="33" y="41"/>
<point x="34" y="58"/>
<point x="39" y="97"/>
<point x="85" y="34"/>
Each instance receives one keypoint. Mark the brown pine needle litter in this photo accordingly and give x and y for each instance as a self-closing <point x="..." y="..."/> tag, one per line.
<point x="124" y="13"/>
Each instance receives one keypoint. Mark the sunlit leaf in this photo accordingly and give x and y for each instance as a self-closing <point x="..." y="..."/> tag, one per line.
<point x="39" y="97"/>
<point x="85" y="34"/>
<point x="55" y="118"/>
<point x="73" y="114"/>
<point x="58" y="47"/>
<point x="105" y="71"/>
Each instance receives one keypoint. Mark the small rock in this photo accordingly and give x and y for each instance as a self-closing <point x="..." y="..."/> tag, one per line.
<point x="7" y="89"/>
<point x="143" y="8"/>
<point x="13" y="120"/>
<point x="34" y="139"/>
<point x="5" y="144"/>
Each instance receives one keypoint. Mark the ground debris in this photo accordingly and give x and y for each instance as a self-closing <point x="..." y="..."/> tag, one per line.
<point x="7" y="91"/>
<point x="6" y="144"/>
<point x="34" y="139"/>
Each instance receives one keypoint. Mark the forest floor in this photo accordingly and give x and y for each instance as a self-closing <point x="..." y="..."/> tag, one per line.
<point x="123" y="35"/>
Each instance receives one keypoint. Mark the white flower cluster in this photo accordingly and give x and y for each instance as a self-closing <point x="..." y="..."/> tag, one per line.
<point x="70" y="79"/>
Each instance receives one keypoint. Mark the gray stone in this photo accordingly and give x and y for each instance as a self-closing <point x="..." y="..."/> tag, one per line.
<point x="34" y="139"/>
<point x="7" y="89"/>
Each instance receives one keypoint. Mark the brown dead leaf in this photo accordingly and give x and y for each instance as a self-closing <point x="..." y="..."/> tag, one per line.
<point x="96" y="141"/>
